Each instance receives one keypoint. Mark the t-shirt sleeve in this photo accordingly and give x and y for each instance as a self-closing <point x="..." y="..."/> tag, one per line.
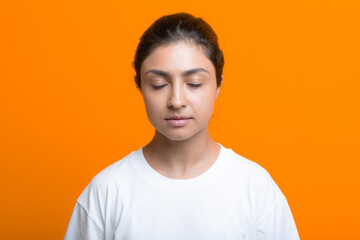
<point x="82" y="226"/>
<point x="278" y="224"/>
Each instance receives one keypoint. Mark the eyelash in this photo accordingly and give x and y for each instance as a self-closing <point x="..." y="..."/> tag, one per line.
<point x="157" y="87"/>
<point x="193" y="85"/>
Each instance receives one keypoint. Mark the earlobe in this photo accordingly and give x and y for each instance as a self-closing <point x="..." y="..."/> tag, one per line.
<point x="217" y="92"/>
<point x="218" y="89"/>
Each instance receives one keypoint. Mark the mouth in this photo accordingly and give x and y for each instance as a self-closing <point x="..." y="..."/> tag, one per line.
<point x="178" y="121"/>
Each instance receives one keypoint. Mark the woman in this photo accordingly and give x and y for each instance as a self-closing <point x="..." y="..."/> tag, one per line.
<point x="181" y="185"/>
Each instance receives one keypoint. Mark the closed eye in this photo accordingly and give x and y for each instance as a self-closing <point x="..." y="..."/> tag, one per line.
<point x="158" y="86"/>
<point x="193" y="85"/>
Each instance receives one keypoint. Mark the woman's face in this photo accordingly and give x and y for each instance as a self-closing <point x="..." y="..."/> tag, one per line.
<point x="178" y="85"/>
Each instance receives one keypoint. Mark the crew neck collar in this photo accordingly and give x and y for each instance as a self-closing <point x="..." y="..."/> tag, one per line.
<point x="152" y="175"/>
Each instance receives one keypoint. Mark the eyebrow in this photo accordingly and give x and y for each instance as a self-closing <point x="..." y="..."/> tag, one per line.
<point x="184" y="74"/>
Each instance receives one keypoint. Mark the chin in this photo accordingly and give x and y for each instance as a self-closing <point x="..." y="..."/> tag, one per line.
<point x="179" y="139"/>
<point x="178" y="136"/>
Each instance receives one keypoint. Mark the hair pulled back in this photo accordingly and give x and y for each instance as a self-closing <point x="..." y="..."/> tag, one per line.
<point x="179" y="27"/>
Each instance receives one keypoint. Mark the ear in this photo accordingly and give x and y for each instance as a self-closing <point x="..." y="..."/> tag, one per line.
<point x="218" y="89"/>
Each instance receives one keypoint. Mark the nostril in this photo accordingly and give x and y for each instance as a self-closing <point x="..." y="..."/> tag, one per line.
<point x="176" y="103"/>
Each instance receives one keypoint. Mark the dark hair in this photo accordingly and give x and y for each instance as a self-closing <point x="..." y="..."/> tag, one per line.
<point x="179" y="27"/>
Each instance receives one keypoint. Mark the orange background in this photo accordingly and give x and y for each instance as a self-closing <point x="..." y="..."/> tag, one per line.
<point x="69" y="105"/>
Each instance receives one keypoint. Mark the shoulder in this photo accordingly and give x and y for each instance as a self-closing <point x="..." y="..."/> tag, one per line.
<point x="110" y="180"/>
<point x="251" y="176"/>
<point x="246" y="168"/>
<point x="116" y="170"/>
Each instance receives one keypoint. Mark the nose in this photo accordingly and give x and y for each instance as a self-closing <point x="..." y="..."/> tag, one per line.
<point x="177" y="98"/>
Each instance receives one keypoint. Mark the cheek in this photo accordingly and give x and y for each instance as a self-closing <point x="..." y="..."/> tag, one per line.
<point x="149" y="104"/>
<point x="204" y="105"/>
<point x="152" y="106"/>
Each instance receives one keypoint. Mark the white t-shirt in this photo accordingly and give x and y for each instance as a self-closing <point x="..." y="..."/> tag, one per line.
<point x="234" y="199"/>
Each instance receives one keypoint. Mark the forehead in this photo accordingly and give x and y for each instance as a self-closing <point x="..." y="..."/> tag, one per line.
<point x="177" y="57"/>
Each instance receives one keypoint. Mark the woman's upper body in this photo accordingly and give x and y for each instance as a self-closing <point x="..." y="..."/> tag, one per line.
<point x="182" y="184"/>
<point x="234" y="199"/>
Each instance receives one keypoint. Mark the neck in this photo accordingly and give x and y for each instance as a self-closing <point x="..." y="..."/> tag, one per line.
<point x="181" y="159"/>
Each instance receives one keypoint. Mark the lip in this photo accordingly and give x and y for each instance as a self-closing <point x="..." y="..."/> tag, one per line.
<point x="177" y="121"/>
<point x="177" y="117"/>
